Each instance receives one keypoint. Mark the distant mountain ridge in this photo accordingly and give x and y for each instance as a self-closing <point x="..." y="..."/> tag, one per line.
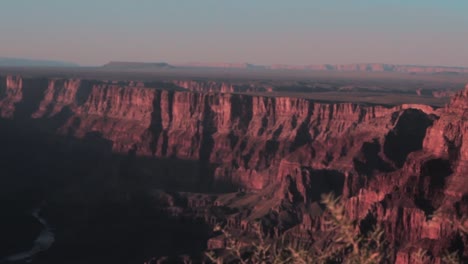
<point x="374" y="67"/>
<point x="352" y="67"/>
<point x="142" y="66"/>
<point x="21" y="62"/>
<point x="127" y="65"/>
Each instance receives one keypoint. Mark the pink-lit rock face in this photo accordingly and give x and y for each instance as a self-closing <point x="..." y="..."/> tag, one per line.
<point x="248" y="137"/>
<point x="447" y="139"/>
<point x="120" y="114"/>
<point x="59" y="93"/>
<point x="12" y="94"/>
<point x="398" y="164"/>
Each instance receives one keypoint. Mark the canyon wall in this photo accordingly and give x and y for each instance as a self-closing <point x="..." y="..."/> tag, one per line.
<point x="246" y="139"/>
<point x="398" y="165"/>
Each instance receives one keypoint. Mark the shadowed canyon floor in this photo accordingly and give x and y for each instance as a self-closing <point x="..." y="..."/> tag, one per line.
<point x="131" y="170"/>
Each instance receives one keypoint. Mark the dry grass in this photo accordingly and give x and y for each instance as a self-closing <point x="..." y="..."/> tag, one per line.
<point x="345" y="245"/>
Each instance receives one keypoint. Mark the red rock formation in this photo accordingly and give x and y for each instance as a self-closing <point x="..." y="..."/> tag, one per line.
<point x="12" y="93"/>
<point x="397" y="165"/>
<point x="120" y="114"/>
<point x="446" y="139"/>
<point x="59" y="93"/>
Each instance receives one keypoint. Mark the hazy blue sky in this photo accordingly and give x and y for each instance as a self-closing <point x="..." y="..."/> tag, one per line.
<point x="433" y="32"/>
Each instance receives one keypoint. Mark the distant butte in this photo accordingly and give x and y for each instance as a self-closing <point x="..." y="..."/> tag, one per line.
<point x="125" y="65"/>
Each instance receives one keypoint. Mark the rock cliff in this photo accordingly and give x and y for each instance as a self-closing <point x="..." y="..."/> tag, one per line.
<point x="397" y="165"/>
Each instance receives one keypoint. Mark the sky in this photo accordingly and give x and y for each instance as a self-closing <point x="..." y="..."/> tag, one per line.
<point x="296" y="32"/>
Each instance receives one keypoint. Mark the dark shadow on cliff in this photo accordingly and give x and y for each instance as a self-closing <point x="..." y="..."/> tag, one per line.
<point x="318" y="182"/>
<point x="299" y="193"/>
<point x="33" y="91"/>
<point x="155" y="128"/>
<point x="431" y="184"/>
<point x="206" y="145"/>
<point x="291" y="192"/>
<point x="407" y="135"/>
<point x="96" y="199"/>
<point x="114" y="232"/>
<point x="2" y="87"/>
<point x="302" y="136"/>
<point x="369" y="160"/>
<point x="84" y="91"/>
<point x="38" y="162"/>
<point x="54" y="122"/>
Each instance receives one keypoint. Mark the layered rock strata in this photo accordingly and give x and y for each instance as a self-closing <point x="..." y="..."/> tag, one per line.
<point x="397" y="165"/>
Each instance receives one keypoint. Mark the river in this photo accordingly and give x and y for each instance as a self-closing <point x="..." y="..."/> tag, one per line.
<point x="43" y="242"/>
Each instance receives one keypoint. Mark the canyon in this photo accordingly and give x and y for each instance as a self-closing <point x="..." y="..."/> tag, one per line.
<point x="209" y="151"/>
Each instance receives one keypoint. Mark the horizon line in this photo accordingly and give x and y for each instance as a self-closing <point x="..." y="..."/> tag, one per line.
<point x="219" y="64"/>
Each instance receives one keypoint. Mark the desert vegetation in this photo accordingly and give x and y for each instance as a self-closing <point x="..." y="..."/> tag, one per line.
<point x="346" y="242"/>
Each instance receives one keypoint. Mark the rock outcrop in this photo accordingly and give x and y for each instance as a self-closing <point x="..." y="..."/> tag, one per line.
<point x="11" y="93"/>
